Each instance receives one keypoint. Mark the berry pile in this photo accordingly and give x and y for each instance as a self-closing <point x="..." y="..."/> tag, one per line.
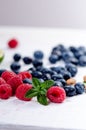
<point x="46" y="83"/>
<point x="12" y="80"/>
<point x="74" y="55"/>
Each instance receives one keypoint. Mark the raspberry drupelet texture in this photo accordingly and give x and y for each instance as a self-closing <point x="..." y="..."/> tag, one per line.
<point x="5" y="91"/>
<point x="6" y="75"/>
<point x="56" y="94"/>
<point x="2" y="81"/>
<point x="14" y="82"/>
<point x="25" y="74"/>
<point x="21" y="91"/>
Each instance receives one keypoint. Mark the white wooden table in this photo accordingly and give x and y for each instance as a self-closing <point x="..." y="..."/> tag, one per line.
<point x="21" y="115"/>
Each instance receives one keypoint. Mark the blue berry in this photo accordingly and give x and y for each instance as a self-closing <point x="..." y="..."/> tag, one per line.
<point x="67" y="55"/>
<point x="61" y="47"/>
<point x="15" y="66"/>
<point x="46" y="77"/>
<point x="56" y="77"/>
<point x="79" y="88"/>
<point x="58" y="83"/>
<point x="67" y="75"/>
<point x="16" y="71"/>
<point x="36" y="74"/>
<point x="53" y="59"/>
<point x="37" y="63"/>
<point x="82" y="60"/>
<point x="46" y="71"/>
<point x="63" y="82"/>
<point x="27" y="60"/>
<point x="73" y="49"/>
<point x="38" y="55"/>
<point x="17" y="57"/>
<point x="70" y="91"/>
<point x="59" y="70"/>
<point x="72" y="69"/>
<point x="31" y="69"/>
<point x="58" y="53"/>
<point x="73" y="60"/>
<point x="78" y="53"/>
<point x="26" y="80"/>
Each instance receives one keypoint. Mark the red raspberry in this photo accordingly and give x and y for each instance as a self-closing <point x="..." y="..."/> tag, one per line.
<point x="24" y="75"/>
<point x="6" y="75"/>
<point x="13" y="43"/>
<point x="2" y="81"/>
<point x="5" y="91"/>
<point x="56" y="94"/>
<point x="21" y="91"/>
<point x="14" y="82"/>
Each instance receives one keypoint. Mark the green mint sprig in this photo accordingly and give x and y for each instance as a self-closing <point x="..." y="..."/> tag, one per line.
<point x="39" y="90"/>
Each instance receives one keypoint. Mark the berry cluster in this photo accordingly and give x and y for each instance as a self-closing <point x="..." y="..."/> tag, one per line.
<point x="9" y="82"/>
<point x="74" y="55"/>
<point x="46" y="83"/>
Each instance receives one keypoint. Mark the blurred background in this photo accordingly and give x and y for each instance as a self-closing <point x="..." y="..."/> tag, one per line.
<point x="43" y="13"/>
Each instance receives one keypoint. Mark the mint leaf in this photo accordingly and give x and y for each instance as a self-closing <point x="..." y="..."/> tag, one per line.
<point x="43" y="91"/>
<point x="31" y="93"/>
<point x="42" y="99"/>
<point x="36" y="83"/>
<point x="47" y="84"/>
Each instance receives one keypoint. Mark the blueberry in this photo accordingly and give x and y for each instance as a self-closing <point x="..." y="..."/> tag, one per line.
<point x="17" y="57"/>
<point x="46" y="77"/>
<point x="59" y="70"/>
<point x="79" y="88"/>
<point x="70" y="91"/>
<point x="36" y="74"/>
<point x="82" y="48"/>
<point x="15" y="66"/>
<point x="16" y="71"/>
<point x="54" y="49"/>
<point x="67" y="55"/>
<point x="27" y="60"/>
<point x="61" y="47"/>
<point x="38" y="55"/>
<point x="46" y="71"/>
<point x="72" y="69"/>
<point x="78" y="53"/>
<point x="39" y="68"/>
<point x="56" y="77"/>
<point x="73" y="60"/>
<point x="82" y="60"/>
<point x="67" y="75"/>
<point x="58" y="53"/>
<point x="26" y="80"/>
<point x="53" y="59"/>
<point x="73" y="49"/>
<point x="37" y="63"/>
<point x="31" y="69"/>
<point x="63" y="82"/>
<point x="58" y="83"/>
<point x="1" y="71"/>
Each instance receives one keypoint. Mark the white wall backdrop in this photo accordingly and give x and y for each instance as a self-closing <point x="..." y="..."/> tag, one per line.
<point x="46" y="13"/>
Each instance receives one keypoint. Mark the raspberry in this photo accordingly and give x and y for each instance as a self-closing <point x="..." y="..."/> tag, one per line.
<point x="6" y="75"/>
<point x="14" y="82"/>
<point x="5" y="91"/>
<point x="2" y="81"/>
<point x="21" y="91"/>
<point x="56" y="94"/>
<point x="13" y="43"/>
<point x="24" y="75"/>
